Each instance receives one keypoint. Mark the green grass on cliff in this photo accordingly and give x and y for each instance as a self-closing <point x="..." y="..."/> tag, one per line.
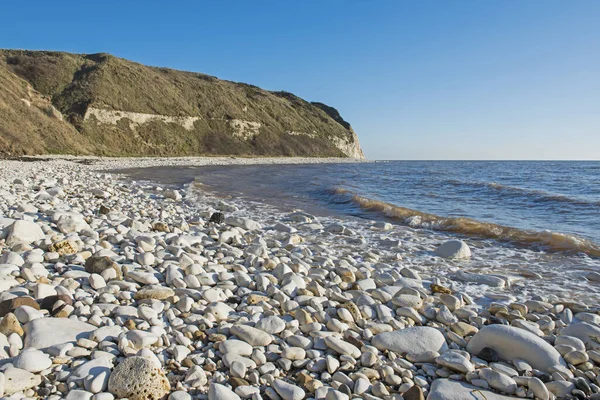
<point x="74" y="82"/>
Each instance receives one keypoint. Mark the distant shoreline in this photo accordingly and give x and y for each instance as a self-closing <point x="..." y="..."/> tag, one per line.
<point x="106" y="163"/>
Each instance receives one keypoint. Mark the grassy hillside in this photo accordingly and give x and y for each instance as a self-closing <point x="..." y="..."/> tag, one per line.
<point x="112" y="106"/>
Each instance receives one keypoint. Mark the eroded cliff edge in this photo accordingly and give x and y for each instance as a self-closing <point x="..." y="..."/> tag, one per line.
<point x="55" y="102"/>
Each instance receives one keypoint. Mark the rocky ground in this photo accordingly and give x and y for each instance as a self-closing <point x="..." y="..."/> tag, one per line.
<point x="114" y="289"/>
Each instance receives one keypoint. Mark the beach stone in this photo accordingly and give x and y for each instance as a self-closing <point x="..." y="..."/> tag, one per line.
<point x="414" y="340"/>
<point x="342" y="347"/>
<point x="48" y="303"/>
<point x="180" y="395"/>
<point x="498" y="381"/>
<point x="47" y="332"/>
<point x="244" y="223"/>
<point x="511" y="343"/>
<point x="488" y="354"/>
<point x="294" y="353"/>
<point x="64" y="247"/>
<point x="407" y="300"/>
<point x="560" y="389"/>
<point x="446" y="389"/>
<point x="413" y="393"/>
<point x="221" y="311"/>
<point x="287" y="391"/>
<point x="78" y="394"/>
<point x="217" y="218"/>
<point x="18" y="380"/>
<point x="11" y="305"/>
<point x="455" y="362"/>
<point x="92" y="369"/>
<point x="220" y="392"/>
<point x="138" y="378"/>
<point x="69" y="224"/>
<point x="587" y="333"/>
<point x="234" y="346"/>
<point x="481" y="279"/>
<point x="572" y="341"/>
<point x="96" y="281"/>
<point x="251" y="335"/>
<point x="156" y="292"/>
<point x="538" y="388"/>
<point x="272" y="324"/>
<point x="32" y="360"/>
<point x="10" y="324"/>
<point x="23" y="232"/>
<point x="576" y="357"/>
<point x="145" y="278"/>
<point x="97" y="265"/>
<point x="453" y="249"/>
<point x="27" y="314"/>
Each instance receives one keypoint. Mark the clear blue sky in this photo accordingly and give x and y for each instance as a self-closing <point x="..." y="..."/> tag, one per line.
<point x="461" y="79"/>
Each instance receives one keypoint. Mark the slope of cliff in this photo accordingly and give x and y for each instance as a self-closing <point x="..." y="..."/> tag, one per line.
<point x="104" y="105"/>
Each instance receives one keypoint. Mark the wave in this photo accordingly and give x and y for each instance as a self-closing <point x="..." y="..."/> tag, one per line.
<point x="537" y="195"/>
<point x="552" y="241"/>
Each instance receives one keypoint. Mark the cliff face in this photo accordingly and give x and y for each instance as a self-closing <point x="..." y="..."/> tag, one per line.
<point x="53" y="102"/>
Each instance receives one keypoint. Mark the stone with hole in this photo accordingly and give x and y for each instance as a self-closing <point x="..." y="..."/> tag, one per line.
<point x="138" y="378"/>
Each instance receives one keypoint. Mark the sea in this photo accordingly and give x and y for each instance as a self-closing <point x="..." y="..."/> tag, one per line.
<point x="536" y="218"/>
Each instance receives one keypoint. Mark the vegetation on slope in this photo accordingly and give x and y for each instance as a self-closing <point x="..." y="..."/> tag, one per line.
<point x="75" y="83"/>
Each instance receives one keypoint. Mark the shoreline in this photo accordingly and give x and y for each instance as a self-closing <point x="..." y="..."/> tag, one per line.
<point x="262" y="304"/>
<point x="99" y="162"/>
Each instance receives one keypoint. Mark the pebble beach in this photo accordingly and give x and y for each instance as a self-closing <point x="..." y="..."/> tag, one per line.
<point x="119" y="289"/>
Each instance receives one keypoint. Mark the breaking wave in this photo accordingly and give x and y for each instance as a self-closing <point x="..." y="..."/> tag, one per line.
<point x="552" y="241"/>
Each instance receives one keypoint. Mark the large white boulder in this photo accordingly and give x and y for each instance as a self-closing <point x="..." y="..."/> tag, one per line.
<point x="512" y="343"/>
<point x="23" y="231"/>
<point x="42" y="333"/>
<point x="453" y="249"/>
<point x="414" y="340"/>
<point x="446" y="389"/>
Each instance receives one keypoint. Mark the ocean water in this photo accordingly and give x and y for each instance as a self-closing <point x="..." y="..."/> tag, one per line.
<point x="534" y="224"/>
<point x="548" y="205"/>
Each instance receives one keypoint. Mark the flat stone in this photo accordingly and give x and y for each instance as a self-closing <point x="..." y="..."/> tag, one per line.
<point x="156" y="292"/>
<point x="414" y="340"/>
<point x="251" y="335"/>
<point x="244" y="223"/>
<point x="446" y="389"/>
<point x="272" y="324"/>
<point x="342" y="347"/>
<point x="511" y="343"/>
<point x="18" y="380"/>
<point x="234" y="346"/>
<point x="498" y="381"/>
<point x="46" y="332"/>
<point x="455" y="362"/>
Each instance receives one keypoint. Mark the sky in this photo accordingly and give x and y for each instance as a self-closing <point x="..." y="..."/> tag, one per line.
<point x="421" y="79"/>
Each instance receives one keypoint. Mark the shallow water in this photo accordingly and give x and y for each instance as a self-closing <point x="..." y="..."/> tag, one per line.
<point x="501" y="210"/>
<point x="514" y="201"/>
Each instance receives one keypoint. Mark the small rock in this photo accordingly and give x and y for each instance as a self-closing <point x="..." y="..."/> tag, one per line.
<point x="453" y="249"/>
